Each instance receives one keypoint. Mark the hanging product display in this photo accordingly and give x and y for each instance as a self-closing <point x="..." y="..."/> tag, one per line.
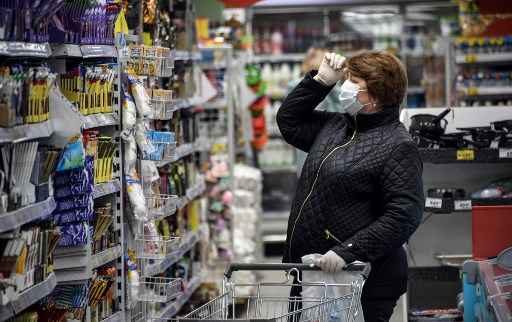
<point x="259" y="129"/>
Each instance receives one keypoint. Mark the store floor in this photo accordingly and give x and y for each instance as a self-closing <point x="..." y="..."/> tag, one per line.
<point x="398" y="315"/>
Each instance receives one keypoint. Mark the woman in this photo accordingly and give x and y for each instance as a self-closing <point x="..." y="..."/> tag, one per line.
<point x="360" y="194"/>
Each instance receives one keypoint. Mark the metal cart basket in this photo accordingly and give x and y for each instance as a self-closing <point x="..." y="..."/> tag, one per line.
<point x="275" y="307"/>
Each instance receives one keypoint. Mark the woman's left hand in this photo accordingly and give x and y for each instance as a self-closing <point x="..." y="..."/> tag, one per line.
<point x="331" y="262"/>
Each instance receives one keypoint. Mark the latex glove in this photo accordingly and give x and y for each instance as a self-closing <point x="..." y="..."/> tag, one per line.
<point x="331" y="262"/>
<point x="330" y="70"/>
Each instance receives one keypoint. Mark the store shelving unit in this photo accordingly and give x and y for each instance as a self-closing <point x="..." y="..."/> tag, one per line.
<point x="76" y="265"/>
<point x="483" y="58"/>
<point x="27" y="214"/>
<point x="28" y="297"/>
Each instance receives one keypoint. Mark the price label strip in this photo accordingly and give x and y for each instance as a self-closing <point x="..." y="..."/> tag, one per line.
<point x="436" y="203"/>
<point x="505" y="153"/>
<point x="465" y="155"/>
<point x="470" y="59"/>
<point x="460" y="205"/>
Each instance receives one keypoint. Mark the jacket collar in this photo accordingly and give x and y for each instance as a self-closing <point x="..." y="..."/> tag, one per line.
<point x="388" y="115"/>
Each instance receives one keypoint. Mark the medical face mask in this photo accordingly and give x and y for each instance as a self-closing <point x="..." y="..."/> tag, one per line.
<point x="348" y="97"/>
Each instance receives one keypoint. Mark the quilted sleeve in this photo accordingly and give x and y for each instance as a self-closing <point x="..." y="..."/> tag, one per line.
<point x="297" y="119"/>
<point x="401" y="189"/>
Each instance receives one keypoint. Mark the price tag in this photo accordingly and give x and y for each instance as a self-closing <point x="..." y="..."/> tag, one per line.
<point x="462" y="204"/>
<point x="470" y="59"/>
<point x="505" y="153"/>
<point x="472" y="91"/>
<point x="434" y="203"/>
<point x="465" y="155"/>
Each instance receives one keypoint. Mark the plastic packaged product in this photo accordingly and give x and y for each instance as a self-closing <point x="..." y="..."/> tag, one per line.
<point x="74" y="202"/>
<point x="73" y="155"/>
<point x="136" y="196"/>
<point x="73" y="189"/>
<point x="129" y="112"/>
<point x="75" y="215"/>
<point x="142" y="139"/>
<point x="77" y="175"/>
<point x="73" y="234"/>
<point x="149" y="171"/>
<point x="140" y="96"/>
<point x="133" y="279"/>
<point x="130" y="156"/>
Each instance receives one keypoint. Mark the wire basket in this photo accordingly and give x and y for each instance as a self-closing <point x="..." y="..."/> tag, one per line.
<point x="161" y="205"/>
<point x="159" y="289"/>
<point x="156" y="247"/>
<point x="162" y="104"/>
<point x="164" y="145"/>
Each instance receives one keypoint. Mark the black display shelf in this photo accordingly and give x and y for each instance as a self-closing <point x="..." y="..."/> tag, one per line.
<point x="442" y="156"/>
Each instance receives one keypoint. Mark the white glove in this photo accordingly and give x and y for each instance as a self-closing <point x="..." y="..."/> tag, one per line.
<point x="330" y="70"/>
<point x="331" y="262"/>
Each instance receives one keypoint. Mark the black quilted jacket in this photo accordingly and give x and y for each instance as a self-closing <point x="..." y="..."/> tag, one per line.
<point x="360" y="193"/>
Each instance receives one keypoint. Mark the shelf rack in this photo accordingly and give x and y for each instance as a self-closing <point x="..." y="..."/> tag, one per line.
<point x="28" y="297"/>
<point x="14" y="219"/>
<point x="77" y="264"/>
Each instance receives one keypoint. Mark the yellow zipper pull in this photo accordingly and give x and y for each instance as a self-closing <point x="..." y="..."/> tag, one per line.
<point x="329" y="235"/>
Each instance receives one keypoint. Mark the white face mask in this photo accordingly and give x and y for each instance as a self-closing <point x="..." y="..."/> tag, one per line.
<point x="348" y="97"/>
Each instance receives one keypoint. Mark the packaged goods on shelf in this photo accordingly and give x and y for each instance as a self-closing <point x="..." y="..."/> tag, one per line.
<point x="25" y="94"/>
<point x="90" y="88"/>
<point x="81" y="23"/>
<point x="150" y="60"/>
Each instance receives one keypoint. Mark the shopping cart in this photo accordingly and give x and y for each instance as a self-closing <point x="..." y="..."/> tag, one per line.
<point x="270" y="306"/>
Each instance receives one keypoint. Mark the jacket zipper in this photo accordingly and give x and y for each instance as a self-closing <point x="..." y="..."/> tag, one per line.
<point x="329" y="235"/>
<point x="314" y="182"/>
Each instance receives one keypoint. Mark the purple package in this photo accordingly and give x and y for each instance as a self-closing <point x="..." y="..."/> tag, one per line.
<point x="67" y="177"/>
<point x="75" y="215"/>
<point x="73" y="190"/>
<point x="69" y="203"/>
<point x="73" y="234"/>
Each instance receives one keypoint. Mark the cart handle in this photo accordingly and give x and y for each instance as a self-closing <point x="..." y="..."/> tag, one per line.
<point x="233" y="267"/>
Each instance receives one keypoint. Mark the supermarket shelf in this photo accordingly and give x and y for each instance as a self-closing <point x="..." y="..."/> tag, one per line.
<point x="188" y="242"/>
<point x="186" y="55"/>
<point x="183" y="103"/>
<point x="203" y="144"/>
<point x="26" y="132"/>
<point x="99" y="120"/>
<point x="414" y="90"/>
<point x="34" y="294"/>
<point x="441" y="156"/>
<point x="485" y="90"/>
<point x="24" y="49"/>
<point x="277" y="58"/>
<point x="84" y="51"/>
<point x="28" y="297"/>
<point x="217" y="104"/>
<point x="196" y="190"/>
<point x="483" y="58"/>
<point x="284" y="168"/>
<point x="222" y="65"/>
<point x="182" y="151"/>
<point x="17" y="218"/>
<point x="172" y="309"/>
<point x="116" y="317"/>
<point x="106" y="256"/>
<point x="103" y="189"/>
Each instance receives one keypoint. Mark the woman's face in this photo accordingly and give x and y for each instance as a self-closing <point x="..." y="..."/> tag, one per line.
<point x="368" y="102"/>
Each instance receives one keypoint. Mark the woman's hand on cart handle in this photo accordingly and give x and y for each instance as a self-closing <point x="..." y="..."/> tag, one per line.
<point x="233" y="267"/>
